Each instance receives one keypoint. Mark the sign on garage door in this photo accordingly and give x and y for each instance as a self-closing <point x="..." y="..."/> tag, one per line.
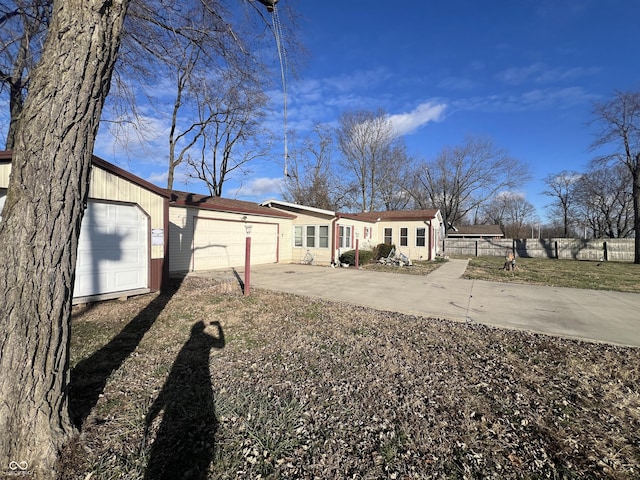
<point x="219" y="244"/>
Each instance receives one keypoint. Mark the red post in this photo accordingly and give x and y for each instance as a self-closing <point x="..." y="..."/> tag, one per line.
<point x="357" y="253"/>
<point x="247" y="266"/>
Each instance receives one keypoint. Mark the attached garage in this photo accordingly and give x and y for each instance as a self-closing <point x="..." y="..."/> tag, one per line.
<point x="221" y="243"/>
<point x="207" y="233"/>
<point x="124" y="234"/>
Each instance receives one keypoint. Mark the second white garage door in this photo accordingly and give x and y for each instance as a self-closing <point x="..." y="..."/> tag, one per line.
<point x="220" y="244"/>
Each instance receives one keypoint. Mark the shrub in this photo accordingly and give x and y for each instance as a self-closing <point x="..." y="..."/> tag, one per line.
<point x="382" y="250"/>
<point x="364" y="256"/>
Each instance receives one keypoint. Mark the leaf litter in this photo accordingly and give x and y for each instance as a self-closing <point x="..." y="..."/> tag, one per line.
<point x="310" y="389"/>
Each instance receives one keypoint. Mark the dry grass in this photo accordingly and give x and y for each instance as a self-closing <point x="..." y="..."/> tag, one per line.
<point x="287" y="387"/>
<point x="615" y="276"/>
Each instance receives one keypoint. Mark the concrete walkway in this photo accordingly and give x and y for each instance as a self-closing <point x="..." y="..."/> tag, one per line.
<point x="602" y="316"/>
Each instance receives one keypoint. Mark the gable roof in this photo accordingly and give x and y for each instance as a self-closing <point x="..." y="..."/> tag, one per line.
<point x="395" y="215"/>
<point x="6" y="156"/>
<point x="207" y="202"/>
<point x="476" y="231"/>
<point x="296" y="206"/>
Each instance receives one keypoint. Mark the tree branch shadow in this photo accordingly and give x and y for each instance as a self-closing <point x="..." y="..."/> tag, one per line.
<point x="89" y="377"/>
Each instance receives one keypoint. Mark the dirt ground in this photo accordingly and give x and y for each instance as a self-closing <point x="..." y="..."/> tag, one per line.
<point x="199" y="384"/>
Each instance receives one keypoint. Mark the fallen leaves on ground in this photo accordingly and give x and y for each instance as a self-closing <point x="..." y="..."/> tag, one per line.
<point x="303" y="388"/>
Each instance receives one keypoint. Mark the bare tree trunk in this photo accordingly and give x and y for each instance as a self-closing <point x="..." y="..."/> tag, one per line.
<point x="41" y="224"/>
<point x="635" y="171"/>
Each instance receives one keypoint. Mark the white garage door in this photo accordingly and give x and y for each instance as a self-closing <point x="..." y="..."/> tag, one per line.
<point x="112" y="249"/>
<point x="219" y="244"/>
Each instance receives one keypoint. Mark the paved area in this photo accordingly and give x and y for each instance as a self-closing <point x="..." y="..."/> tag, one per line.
<point x="611" y="317"/>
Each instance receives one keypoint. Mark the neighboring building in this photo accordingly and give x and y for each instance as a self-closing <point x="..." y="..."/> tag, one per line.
<point x="475" y="231"/>
<point x="326" y="234"/>
<point x="207" y="233"/>
<point x="415" y="233"/>
<point x="123" y="241"/>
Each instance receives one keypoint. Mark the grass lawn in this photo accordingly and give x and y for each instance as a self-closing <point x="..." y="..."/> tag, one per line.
<point x="617" y="276"/>
<point x="194" y="384"/>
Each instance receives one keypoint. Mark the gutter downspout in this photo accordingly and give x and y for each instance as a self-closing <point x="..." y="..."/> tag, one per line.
<point x="430" y="257"/>
<point x="333" y="238"/>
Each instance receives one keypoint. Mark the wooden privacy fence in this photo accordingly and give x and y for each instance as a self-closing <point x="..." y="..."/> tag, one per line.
<point x="613" y="249"/>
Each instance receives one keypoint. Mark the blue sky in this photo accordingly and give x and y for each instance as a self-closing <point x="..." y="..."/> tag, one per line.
<point x="522" y="72"/>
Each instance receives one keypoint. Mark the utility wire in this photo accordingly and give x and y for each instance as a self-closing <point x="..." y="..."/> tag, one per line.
<point x="277" y="31"/>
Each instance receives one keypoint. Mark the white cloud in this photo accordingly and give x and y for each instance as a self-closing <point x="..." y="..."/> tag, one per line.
<point x="407" y="123"/>
<point x="158" y="178"/>
<point x="537" y="99"/>
<point x="259" y="188"/>
<point x="541" y="73"/>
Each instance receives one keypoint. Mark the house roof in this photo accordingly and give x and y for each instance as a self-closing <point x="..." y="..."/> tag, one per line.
<point x="396" y="215"/>
<point x="220" y="204"/>
<point x="296" y="206"/>
<point x="476" y="231"/>
<point x="6" y="155"/>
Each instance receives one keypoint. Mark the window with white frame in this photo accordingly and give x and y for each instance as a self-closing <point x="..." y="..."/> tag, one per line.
<point x="420" y="237"/>
<point x="404" y="237"/>
<point x="311" y="236"/>
<point x="297" y="236"/>
<point x="388" y="236"/>
<point x="345" y="237"/>
<point x="323" y="236"/>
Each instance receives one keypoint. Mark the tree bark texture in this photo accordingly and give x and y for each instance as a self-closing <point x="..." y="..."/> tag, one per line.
<point x="40" y="227"/>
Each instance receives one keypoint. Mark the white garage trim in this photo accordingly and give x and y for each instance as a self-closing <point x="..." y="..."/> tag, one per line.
<point x="220" y="243"/>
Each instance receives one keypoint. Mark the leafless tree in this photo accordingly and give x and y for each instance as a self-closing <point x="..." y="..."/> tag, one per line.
<point x="512" y="212"/>
<point x="312" y="179"/>
<point x="40" y="226"/>
<point x="618" y="123"/>
<point x="461" y="179"/>
<point x="369" y="146"/>
<point x="604" y="203"/>
<point x="561" y="187"/>
<point x="23" y="26"/>
<point x="395" y="177"/>
<point x="175" y="40"/>
<point x="231" y="113"/>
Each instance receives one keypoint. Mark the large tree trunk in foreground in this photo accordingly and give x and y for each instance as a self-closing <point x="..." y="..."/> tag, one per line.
<point x="40" y="228"/>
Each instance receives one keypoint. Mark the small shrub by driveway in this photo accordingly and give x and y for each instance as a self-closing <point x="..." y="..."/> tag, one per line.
<point x="305" y="389"/>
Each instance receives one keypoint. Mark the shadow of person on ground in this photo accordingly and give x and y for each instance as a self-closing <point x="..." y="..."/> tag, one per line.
<point x="89" y="377"/>
<point x="184" y="444"/>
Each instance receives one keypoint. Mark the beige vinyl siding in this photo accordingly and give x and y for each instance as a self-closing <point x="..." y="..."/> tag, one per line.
<point x="5" y="170"/>
<point x="412" y="249"/>
<point x="367" y="242"/>
<point x="107" y="186"/>
<point x="321" y="255"/>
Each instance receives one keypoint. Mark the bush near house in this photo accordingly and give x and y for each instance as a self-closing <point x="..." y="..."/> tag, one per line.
<point x="364" y="257"/>
<point x="382" y="250"/>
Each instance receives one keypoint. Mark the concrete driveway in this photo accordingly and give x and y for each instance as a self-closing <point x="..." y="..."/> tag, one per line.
<point x="602" y="316"/>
